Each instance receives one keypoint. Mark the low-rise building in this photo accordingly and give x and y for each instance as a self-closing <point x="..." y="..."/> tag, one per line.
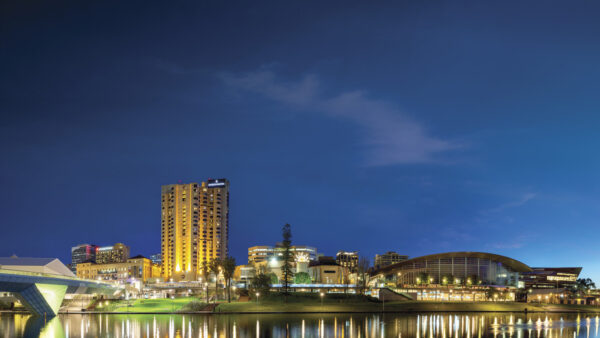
<point x="262" y="253"/>
<point x="550" y="278"/>
<point x="327" y="271"/>
<point x="138" y="268"/>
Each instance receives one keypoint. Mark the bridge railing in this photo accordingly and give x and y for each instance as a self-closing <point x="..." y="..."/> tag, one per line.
<point x="49" y="275"/>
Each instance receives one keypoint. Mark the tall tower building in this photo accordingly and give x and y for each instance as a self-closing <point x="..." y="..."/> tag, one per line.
<point x="194" y="227"/>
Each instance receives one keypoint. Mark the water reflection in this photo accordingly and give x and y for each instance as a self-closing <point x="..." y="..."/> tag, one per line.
<point x="432" y="325"/>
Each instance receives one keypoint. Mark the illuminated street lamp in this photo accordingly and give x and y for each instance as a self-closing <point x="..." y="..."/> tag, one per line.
<point x="322" y="295"/>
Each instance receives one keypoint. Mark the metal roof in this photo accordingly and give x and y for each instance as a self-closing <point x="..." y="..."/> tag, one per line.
<point x="25" y="261"/>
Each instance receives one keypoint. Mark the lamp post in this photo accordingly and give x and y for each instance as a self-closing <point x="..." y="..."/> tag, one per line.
<point x="322" y="295"/>
<point x="257" y="295"/>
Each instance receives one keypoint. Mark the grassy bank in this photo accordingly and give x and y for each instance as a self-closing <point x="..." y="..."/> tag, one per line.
<point x="352" y="303"/>
<point x="151" y="305"/>
<point x="306" y="303"/>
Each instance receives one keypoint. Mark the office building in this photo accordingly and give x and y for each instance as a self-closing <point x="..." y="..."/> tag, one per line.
<point x="194" y="227"/>
<point x="83" y="253"/>
<point x="388" y="258"/>
<point x="117" y="253"/>
<point x="156" y="259"/>
<point x="348" y="259"/>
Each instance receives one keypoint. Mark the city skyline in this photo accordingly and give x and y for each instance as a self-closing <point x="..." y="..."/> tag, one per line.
<point x="408" y="128"/>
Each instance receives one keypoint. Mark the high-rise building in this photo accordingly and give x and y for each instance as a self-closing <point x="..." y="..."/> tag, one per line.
<point x="388" y="258"/>
<point x="194" y="227"/>
<point x="348" y="259"/>
<point x="83" y="253"/>
<point x="118" y="253"/>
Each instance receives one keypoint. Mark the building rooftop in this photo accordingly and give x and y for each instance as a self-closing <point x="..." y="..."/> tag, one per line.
<point x="33" y="264"/>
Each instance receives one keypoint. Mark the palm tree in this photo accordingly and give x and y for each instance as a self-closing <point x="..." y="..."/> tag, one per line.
<point x="228" y="265"/>
<point x="215" y="267"/>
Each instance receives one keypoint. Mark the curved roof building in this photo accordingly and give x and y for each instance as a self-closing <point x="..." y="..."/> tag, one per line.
<point x="457" y="267"/>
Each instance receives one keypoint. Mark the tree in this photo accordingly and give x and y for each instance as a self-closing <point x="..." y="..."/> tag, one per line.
<point x="363" y="273"/>
<point x="302" y="278"/>
<point x="273" y="278"/>
<point x="215" y="266"/>
<point x="205" y="274"/>
<point x="228" y="265"/>
<point x="448" y="279"/>
<point x="583" y="285"/>
<point x="424" y="278"/>
<point x="261" y="284"/>
<point x="287" y="274"/>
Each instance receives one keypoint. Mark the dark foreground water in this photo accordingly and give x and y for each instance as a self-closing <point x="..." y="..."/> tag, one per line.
<point x="429" y="325"/>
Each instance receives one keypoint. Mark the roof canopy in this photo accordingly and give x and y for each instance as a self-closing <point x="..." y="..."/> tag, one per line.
<point x="512" y="263"/>
<point x="51" y="266"/>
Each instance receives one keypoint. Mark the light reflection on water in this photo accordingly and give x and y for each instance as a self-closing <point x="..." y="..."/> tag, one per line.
<point x="430" y="325"/>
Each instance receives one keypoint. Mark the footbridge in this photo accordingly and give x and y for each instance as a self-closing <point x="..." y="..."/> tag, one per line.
<point x="40" y="284"/>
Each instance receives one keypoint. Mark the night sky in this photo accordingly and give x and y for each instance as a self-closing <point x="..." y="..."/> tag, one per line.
<point x="419" y="127"/>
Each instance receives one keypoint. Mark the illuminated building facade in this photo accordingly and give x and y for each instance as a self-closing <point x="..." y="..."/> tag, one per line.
<point x="136" y="268"/>
<point x="467" y="268"/>
<point x="348" y="259"/>
<point x="262" y="253"/>
<point x="551" y="278"/>
<point x="83" y="253"/>
<point x="327" y="271"/>
<point x="388" y="258"/>
<point x="194" y="227"/>
<point x="117" y="253"/>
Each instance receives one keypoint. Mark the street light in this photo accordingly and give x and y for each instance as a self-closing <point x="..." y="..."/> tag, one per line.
<point x="322" y="295"/>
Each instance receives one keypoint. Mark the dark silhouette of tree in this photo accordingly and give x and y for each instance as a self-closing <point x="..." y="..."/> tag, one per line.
<point x="228" y="265"/>
<point x="363" y="273"/>
<point x="287" y="274"/>
<point x="583" y="286"/>
<point x="261" y="284"/>
<point x="205" y="275"/>
<point x="215" y="266"/>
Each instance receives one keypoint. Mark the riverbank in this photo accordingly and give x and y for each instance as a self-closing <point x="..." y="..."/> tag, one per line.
<point x="312" y="304"/>
<point x="407" y="306"/>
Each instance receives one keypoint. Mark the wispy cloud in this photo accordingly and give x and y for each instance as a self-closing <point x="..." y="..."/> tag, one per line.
<point x="511" y="243"/>
<point x="522" y="200"/>
<point x="389" y="136"/>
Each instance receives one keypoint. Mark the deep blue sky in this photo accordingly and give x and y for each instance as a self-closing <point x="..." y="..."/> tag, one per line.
<point x="419" y="127"/>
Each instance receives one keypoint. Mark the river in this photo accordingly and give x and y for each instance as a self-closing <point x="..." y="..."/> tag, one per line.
<point x="424" y="325"/>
